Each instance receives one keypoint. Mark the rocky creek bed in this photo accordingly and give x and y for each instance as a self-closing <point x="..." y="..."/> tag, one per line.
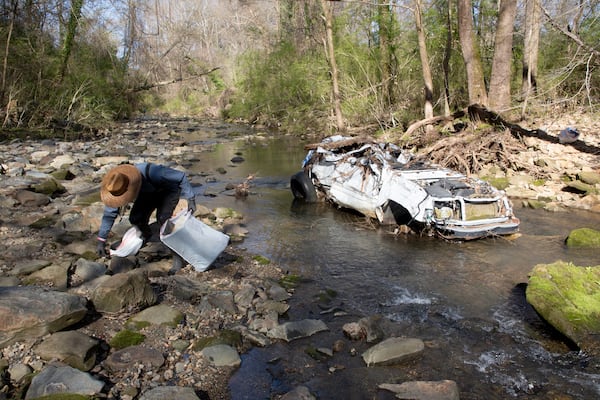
<point x="124" y="328"/>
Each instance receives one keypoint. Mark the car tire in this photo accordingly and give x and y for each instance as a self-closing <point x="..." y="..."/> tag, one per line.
<point x="303" y="188"/>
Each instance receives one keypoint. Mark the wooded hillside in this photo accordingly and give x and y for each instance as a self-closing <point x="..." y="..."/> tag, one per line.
<point x="312" y="65"/>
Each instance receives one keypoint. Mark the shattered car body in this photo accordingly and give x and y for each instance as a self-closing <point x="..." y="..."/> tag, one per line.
<point x="381" y="181"/>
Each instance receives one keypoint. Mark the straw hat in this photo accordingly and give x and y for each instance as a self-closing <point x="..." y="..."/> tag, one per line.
<point x="120" y="185"/>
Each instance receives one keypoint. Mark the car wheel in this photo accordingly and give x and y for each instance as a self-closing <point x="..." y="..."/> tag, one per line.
<point x="303" y="188"/>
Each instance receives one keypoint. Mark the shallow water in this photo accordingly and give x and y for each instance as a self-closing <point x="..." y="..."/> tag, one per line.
<point x="467" y="297"/>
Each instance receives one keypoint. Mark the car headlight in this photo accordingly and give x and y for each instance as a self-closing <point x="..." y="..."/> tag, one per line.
<point x="443" y="213"/>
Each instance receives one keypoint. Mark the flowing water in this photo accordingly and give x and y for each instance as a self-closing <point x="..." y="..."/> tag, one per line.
<point x="466" y="299"/>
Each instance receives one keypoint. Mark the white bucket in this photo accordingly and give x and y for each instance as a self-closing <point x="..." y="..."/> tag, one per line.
<point x="196" y="242"/>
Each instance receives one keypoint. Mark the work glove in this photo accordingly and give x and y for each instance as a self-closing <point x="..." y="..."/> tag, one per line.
<point x="191" y="203"/>
<point x="101" y="249"/>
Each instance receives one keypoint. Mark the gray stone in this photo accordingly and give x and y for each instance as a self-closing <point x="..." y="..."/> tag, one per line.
<point x="170" y="392"/>
<point x="32" y="312"/>
<point x="9" y="281"/>
<point x="393" y="351"/>
<point x="424" y="390"/>
<point x="243" y="298"/>
<point x="589" y="177"/>
<point x="222" y="355"/>
<point x="122" y="291"/>
<point x="264" y="307"/>
<point x="19" y="371"/>
<point x="71" y="347"/>
<point x="86" y="270"/>
<point x="297" y="329"/>
<point x="299" y="393"/>
<point x="31" y="199"/>
<point x="26" y="266"/>
<point x="161" y="314"/>
<point x="222" y="300"/>
<point x="126" y="358"/>
<point x="188" y="289"/>
<point x="277" y="293"/>
<point x="63" y="379"/>
<point x="120" y="265"/>
<point x="55" y="275"/>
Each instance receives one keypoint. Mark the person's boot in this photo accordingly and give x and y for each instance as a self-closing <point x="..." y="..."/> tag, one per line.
<point x="178" y="263"/>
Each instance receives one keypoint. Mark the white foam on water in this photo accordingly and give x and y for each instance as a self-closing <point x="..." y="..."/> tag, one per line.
<point x="405" y="297"/>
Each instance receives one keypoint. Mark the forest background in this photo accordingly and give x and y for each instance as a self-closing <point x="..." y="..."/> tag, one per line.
<point x="300" y="66"/>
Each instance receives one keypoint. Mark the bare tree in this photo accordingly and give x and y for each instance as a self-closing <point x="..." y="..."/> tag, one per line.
<point x="530" y="50"/>
<point x="500" y="80"/>
<point x="471" y="56"/>
<point x="330" y="50"/>
<point x="427" y="79"/>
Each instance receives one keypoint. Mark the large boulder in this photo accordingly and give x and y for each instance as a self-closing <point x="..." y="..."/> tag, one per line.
<point x="32" y="312"/>
<point x="584" y="237"/>
<point x="124" y="291"/>
<point x="568" y="298"/>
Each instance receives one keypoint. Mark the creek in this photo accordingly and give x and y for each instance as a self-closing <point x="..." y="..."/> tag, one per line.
<point x="465" y="299"/>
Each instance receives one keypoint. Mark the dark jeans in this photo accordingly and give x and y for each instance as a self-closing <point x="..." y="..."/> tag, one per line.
<point x="163" y="202"/>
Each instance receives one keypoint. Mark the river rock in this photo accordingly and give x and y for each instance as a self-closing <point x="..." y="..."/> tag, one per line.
<point x="424" y="390"/>
<point x="161" y="314"/>
<point x="55" y="275"/>
<point x="32" y="312"/>
<point x="222" y="355"/>
<point x="589" y="177"/>
<point x="86" y="271"/>
<point x="71" y="347"/>
<point x="122" y="291"/>
<point x="393" y="351"/>
<point x="568" y="298"/>
<point x="297" y="329"/>
<point x="299" y="393"/>
<point x="170" y="392"/>
<point x="583" y="237"/>
<point x="63" y="379"/>
<point x="127" y="358"/>
<point x="28" y="198"/>
<point x="26" y="266"/>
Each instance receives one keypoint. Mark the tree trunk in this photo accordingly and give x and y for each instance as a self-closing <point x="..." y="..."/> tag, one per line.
<point x="427" y="79"/>
<point x="500" y="79"/>
<point x="74" y="16"/>
<point x="337" y="105"/>
<point x="531" y="50"/>
<point x="446" y="62"/>
<point x="386" y="52"/>
<point x="471" y="56"/>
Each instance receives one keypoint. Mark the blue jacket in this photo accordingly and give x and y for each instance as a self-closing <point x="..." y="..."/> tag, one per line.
<point x="160" y="179"/>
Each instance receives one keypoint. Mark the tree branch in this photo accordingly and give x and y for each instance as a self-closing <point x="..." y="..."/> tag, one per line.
<point x="169" y="82"/>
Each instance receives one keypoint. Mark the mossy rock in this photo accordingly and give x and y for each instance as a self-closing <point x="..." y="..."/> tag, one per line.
<point x="580" y="187"/>
<point x="261" y="260"/>
<point x="126" y="338"/>
<point x="290" y="281"/>
<point x="589" y="177"/>
<point x="226" y="336"/>
<point x="44" y="222"/>
<point x="584" y="237"/>
<point x="63" y="175"/>
<point x="568" y="298"/>
<point x="499" y="183"/>
<point x="49" y="187"/>
<point x="535" y="204"/>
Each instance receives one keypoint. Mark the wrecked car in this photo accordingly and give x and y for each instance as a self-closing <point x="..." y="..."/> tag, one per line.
<point x="383" y="182"/>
